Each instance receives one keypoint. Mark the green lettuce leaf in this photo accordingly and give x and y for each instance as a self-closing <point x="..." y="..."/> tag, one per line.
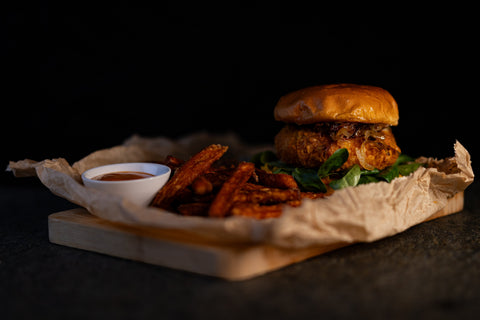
<point x="334" y="162"/>
<point x="311" y="179"/>
<point x="350" y="179"/>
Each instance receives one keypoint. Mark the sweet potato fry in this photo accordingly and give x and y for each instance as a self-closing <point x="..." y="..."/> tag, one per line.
<point x="187" y="173"/>
<point x="218" y="176"/>
<point x="276" y="180"/>
<point x="257" y="211"/>
<point x="260" y="211"/>
<point x="266" y="195"/>
<point x="222" y="203"/>
<point x="202" y="186"/>
<point x="194" y="208"/>
<point x="198" y="187"/>
<point x="312" y="195"/>
<point x="173" y="162"/>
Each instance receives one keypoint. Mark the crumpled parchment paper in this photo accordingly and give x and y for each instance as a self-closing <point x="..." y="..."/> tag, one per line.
<point x="361" y="214"/>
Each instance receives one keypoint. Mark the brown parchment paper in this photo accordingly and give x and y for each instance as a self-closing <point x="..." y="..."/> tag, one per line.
<point x="361" y="214"/>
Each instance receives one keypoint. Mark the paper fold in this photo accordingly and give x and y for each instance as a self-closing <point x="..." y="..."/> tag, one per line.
<point x="360" y="214"/>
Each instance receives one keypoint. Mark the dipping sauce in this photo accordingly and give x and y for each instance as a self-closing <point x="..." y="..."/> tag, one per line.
<point x="122" y="175"/>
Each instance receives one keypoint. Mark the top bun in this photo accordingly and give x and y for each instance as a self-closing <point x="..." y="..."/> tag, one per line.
<point x="338" y="103"/>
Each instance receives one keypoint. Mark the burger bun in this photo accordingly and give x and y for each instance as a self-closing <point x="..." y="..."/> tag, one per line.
<point x="338" y="103"/>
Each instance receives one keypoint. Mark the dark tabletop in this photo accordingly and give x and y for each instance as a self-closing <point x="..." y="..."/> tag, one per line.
<point x="172" y="73"/>
<point x="429" y="271"/>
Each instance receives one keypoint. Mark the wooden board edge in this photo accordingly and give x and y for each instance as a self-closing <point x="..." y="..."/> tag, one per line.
<point x="454" y="204"/>
<point x="79" y="229"/>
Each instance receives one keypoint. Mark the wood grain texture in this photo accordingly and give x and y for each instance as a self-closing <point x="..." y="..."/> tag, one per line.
<point x="180" y="249"/>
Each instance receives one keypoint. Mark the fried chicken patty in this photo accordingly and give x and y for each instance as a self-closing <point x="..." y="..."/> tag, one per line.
<point x="372" y="146"/>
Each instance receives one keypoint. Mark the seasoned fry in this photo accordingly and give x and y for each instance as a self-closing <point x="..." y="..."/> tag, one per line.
<point x="187" y="195"/>
<point x="202" y="186"/>
<point x="218" y="176"/>
<point x="311" y="195"/>
<point x="257" y="211"/>
<point x="173" y="162"/>
<point x="276" y="180"/>
<point x="222" y="203"/>
<point x="260" y="211"/>
<point x="316" y="195"/>
<point x="266" y="195"/>
<point x="187" y="173"/>
<point x="194" y="208"/>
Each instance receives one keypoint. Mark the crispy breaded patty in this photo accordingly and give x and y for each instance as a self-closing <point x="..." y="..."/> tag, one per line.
<point x="369" y="145"/>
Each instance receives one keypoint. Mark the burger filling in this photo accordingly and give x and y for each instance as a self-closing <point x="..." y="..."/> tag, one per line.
<point x="371" y="146"/>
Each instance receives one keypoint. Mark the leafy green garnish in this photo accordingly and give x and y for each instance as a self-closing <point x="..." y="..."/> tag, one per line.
<point x="408" y="168"/>
<point x="311" y="179"/>
<point x="264" y="157"/>
<point x="307" y="178"/>
<point x="334" y="162"/>
<point x="402" y="167"/>
<point x="403" y="158"/>
<point x="364" y="179"/>
<point x="350" y="179"/>
<point x="389" y="173"/>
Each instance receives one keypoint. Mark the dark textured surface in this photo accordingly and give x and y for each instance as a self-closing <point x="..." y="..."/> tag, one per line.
<point x="81" y="77"/>
<point x="430" y="271"/>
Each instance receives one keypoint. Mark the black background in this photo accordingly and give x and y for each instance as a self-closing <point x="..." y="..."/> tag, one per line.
<point x="82" y="77"/>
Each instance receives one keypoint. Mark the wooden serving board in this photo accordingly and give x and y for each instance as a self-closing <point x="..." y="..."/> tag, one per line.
<point x="182" y="250"/>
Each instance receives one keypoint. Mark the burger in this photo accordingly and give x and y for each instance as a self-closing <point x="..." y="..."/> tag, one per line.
<point x="320" y="120"/>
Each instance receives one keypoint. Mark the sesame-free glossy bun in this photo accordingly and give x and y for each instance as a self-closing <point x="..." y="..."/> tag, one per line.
<point x="338" y="103"/>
